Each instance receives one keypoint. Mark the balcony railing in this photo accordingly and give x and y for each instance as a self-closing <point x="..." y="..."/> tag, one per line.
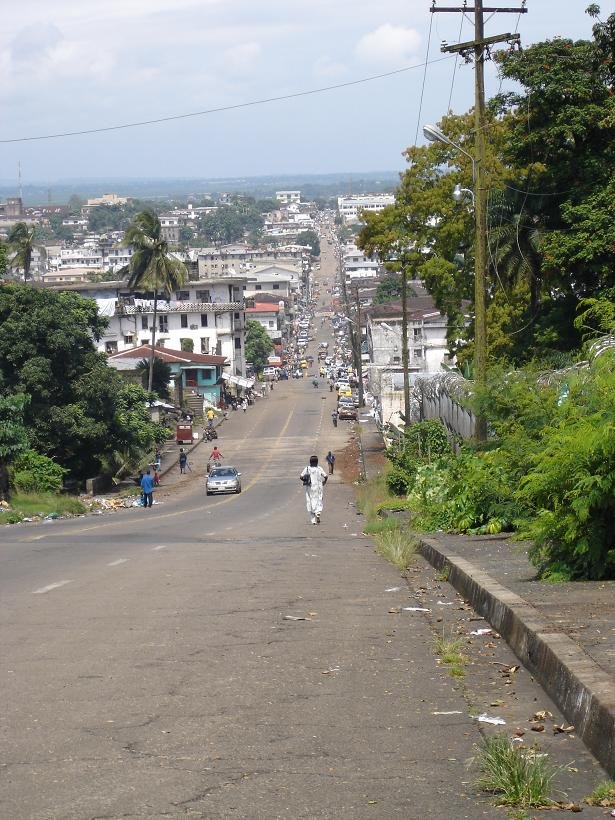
<point x="124" y="309"/>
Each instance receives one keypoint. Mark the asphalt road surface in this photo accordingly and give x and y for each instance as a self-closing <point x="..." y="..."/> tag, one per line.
<point x="149" y="669"/>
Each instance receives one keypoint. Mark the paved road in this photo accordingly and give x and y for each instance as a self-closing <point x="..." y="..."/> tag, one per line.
<point x="149" y="670"/>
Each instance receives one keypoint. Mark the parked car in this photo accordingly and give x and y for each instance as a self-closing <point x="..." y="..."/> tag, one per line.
<point x="347" y="411"/>
<point x="223" y="479"/>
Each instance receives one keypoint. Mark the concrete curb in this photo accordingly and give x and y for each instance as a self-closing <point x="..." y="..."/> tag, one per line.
<point x="580" y="688"/>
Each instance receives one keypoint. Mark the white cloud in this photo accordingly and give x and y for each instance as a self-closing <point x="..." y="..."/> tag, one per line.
<point x="389" y="45"/>
<point x="328" y="68"/>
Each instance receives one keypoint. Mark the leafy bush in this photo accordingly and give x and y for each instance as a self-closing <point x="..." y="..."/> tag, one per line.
<point x="569" y="492"/>
<point x="398" y="481"/>
<point x="35" y="473"/>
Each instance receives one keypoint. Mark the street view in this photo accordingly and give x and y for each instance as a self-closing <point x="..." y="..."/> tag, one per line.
<point x="307" y="469"/>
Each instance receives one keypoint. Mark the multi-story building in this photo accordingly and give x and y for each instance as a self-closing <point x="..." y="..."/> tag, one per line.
<point x="169" y="228"/>
<point x="350" y="207"/>
<point x="205" y="316"/>
<point x="286" y="197"/>
<point x="277" y="280"/>
<point x="357" y="265"/>
<point x="271" y="316"/>
<point x="107" y="199"/>
<point x="240" y="258"/>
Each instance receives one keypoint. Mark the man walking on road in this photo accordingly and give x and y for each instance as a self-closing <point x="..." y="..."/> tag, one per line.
<point x="183" y="458"/>
<point x="147" y="485"/>
<point x="314" y="479"/>
<point x="330" y="459"/>
<point x="334" y="418"/>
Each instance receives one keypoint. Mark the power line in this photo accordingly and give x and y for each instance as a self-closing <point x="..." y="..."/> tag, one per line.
<point x="220" y="109"/>
<point x="420" y="111"/>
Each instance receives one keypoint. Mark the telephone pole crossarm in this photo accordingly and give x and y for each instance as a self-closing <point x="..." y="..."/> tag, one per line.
<point x="471" y="10"/>
<point x="459" y="48"/>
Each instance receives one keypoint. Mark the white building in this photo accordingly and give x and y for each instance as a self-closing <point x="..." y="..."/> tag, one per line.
<point x="274" y="279"/>
<point x="286" y="197"/>
<point x="357" y="265"/>
<point x="350" y="207"/>
<point x="207" y="315"/>
<point x="240" y="258"/>
<point x="108" y="199"/>
<point x="271" y="316"/>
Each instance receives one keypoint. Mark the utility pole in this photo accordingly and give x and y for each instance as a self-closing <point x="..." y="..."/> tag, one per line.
<point x="359" y="360"/>
<point x="405" y="358"/>
<point x="479" y="48"/>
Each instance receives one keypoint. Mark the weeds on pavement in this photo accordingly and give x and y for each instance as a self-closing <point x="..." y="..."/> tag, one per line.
<point x="397" y="547"/>
<point x="449" y="652"/>
<point x="25" y="505"/>
<point x="516" y="777"/>
<point x="603" y="794"/>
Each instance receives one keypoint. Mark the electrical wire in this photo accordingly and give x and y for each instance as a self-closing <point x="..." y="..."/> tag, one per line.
<point x="455" y="64"/>
<point x="420" y="111"/>
<point x="220" y="109"/>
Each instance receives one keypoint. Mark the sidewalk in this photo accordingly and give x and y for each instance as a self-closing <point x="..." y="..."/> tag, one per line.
<point x="563" y="633"/>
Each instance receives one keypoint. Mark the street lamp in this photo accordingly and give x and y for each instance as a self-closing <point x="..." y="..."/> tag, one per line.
<point x="435" y="134"/>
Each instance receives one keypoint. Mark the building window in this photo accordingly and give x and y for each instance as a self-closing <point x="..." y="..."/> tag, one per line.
<point x="128" y="340"/>
<point x="219" y="347"/>
<point x="417" y="332"/>
<point x="276" y="286"/>
<point x="395" y="359"/>
<point x="203" y="320"/>
<point x="418" y="353"/>
<point x="144" y="323"/>
<point x="182" y="295"/>
<point x="236" y="315"/>
<point x="161" y="342"/>
<point x="205" y="344"/>
<point x="271" y="323"/>
<point x="237" y="343"/>
<point x="258" y="287"/>
<point x="163" y="324"/>
<point x="203" y="296"/>
<point x="110" y="347"/>
<point x="183" y="320"/>
<point x="144" y="341"/>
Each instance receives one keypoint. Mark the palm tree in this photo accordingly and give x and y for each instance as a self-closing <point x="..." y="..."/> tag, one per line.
<point x="515" y="233"/>
<point x="152" y="266"/>
<point x="21" y="242"/>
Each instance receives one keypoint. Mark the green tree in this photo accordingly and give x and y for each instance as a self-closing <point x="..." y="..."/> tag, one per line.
<point x="161" y="377"/>
<point x="21" y="240"/>
<point x="310" y="238"/>
<point x="388" y="289"/>
<point x="80" y="411"/>
<point x="13" y="435"/>
<point x="560" y="144"/>
<point x="4" y="258"/>
<point x="258" y="344"/>
<point x="152" y="266"/>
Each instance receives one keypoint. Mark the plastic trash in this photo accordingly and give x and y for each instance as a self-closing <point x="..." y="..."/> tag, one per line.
<point x="295" y="618"/>
<point x="494" y="721"/>
<point x="393" y="589"/>
<point x="452" y="712"/>
<point x="415" y="609"/>
<point x="481" y="631"/>
<point x="446" y="603"/>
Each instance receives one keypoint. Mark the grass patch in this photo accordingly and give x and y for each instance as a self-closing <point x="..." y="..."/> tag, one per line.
<point x="380" y="525"/>
<point x="450" y="654"/>
<point x="27" y="505"/>
<point x="603" y="795"/>
<point x="516" y="777"/>
<point x="396" y="546"/>
<point x="373" y="495"/>
<point x="443" y="574"/>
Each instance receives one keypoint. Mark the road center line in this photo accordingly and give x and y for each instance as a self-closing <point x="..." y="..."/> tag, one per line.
<point x="118" y="562"/>
<point x="49" y="587"/>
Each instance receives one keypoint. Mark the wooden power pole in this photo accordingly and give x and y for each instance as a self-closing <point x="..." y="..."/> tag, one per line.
<point x="478" y="48"/>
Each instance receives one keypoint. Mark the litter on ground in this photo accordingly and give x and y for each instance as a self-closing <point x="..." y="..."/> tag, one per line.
<point x="494" y="721"/>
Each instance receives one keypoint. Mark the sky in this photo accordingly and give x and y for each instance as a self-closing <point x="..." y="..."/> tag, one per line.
<point x="70" y="65"/>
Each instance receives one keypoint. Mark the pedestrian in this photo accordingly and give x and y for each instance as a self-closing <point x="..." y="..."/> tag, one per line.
<point x="210" y="417"/>
<point x="314" y="479"/>
<point x="334" y="418"/>
<point x="157" y="459"/>
<point x="215" y="456"/>
<point x="244" y="404"/>
<point x="156" y="479"/>
<point x="183" y="458"/>
<point x="330" y="459"/>
<point x="147" y="486"/>
<point x="271" y="387"/>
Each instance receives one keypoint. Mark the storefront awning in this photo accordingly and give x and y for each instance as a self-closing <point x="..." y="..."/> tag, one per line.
<point x="239" y="381"/>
